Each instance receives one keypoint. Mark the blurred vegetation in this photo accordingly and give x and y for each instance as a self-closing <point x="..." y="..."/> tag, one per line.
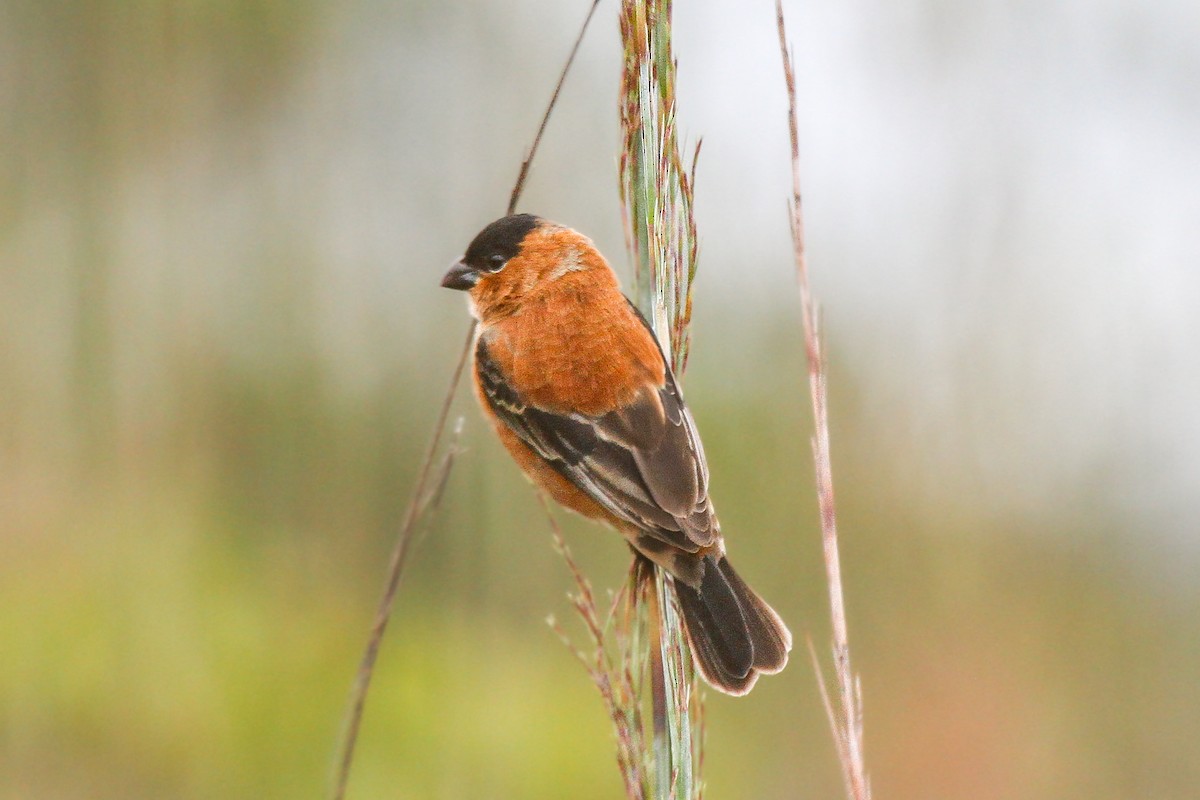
<point x="208" y="435"/>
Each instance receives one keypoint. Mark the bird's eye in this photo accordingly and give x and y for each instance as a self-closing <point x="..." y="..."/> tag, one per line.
<point x="496" y="262"/>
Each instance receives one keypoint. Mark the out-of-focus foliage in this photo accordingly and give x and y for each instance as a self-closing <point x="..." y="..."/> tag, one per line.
<point x="222" y="346"/>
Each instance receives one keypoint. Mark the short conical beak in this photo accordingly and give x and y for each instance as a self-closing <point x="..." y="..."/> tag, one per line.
<point x="460" y="277"/>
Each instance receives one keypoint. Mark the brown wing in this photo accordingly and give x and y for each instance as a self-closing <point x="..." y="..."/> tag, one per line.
<point x="642" y="462"/>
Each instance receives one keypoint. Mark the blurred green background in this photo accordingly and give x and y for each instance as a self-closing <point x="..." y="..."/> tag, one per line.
<point x="222" y="347"/>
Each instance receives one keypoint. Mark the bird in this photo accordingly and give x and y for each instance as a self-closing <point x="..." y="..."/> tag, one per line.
<point x="579" y="392"/>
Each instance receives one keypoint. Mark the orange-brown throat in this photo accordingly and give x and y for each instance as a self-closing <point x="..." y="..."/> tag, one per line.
<point x="551" y="257"/>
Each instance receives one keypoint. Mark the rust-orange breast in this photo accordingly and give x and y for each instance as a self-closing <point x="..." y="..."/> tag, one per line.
<point x="576" y="347"/>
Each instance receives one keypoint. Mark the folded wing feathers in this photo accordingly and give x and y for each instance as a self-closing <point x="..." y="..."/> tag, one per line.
<point x="642" y="462"/>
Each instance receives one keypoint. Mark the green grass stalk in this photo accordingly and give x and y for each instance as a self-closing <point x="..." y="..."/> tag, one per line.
<point x="660" y="229"/>
<point x="640" y="640"/>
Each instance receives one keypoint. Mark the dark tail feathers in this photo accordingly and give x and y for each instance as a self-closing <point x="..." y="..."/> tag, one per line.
<point x="734" y="635"/>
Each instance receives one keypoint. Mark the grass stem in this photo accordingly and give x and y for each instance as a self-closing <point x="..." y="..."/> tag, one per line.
<point x="846" y="724"/>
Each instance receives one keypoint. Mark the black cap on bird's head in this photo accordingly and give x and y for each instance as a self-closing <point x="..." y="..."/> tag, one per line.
<point x="490" y="250"/>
